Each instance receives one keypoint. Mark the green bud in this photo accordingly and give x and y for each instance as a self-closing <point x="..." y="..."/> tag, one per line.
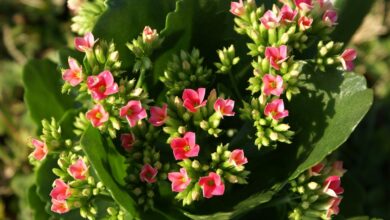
<point x="195" y="164"/>
<point x="137" y="191"/>
<point x="112" y="211"/>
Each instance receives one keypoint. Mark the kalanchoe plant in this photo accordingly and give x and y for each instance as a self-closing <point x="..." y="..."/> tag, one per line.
<point x="148" y="127"/>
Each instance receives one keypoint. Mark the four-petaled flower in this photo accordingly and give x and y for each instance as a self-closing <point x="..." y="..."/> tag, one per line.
<point x="61" y="191"/>
<point x="237" y="158"/>
<point x="333" y="207"/>
<point x="305" y="23"/>
<point x="148" y="174"/>
<point x="269" y="20"/>
<point x="158" y="115"/>
<point x="127" y="141"/>
<point x="185" y="147"/>
<point x="180" y="180"/>
<point x="330" y="18"/>
<point x="287" y="14"/>
<point x="97" y="115"/>
<point x="275" y="109"/>
<point x="40" y="150"/>
<point x="133" y="112"/>
<point x="85" y="43"/>
<point x="192" y="100"/>
<point x="212" y="185"/>
<point x="59" y="206"/>
<point x="304" y="5"/>
<point x="276" y="55"/>
<point x="316" y="169"/>
<point x="347" y="58"/>
<point x="332" y="186"/>
<point x="337" y="168"/>
<point x="78" y="170"/>
<point x="272" y="85"/>
<point x="224" y="107"/>
<point x="102" y="85"/>
<point x="149" y="35"/>
<point x="73" y="75"/>
<point x="237" y="8"/>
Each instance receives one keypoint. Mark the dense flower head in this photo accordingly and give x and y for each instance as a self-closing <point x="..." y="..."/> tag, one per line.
<point x="97" y="115"/>
<point x="316" y="169"/>
<point x="237" y="8"/>
<point x="332" y="186"/>
<point x="237" y="157"/>
<point x="275" y="109"/>
<point x="133" y="111"/>
<point x="78" y="170"/>
<point x="347" y="58"/>
<point x="185" y="147"/>
<point x="180" y="180"/>
<point x="40" y="150"/>
<point x="73" y="75"/>
<point x="212" y="185"/>
<point x="330" y="17"/>
<point x="272" y="85"/>
<point x="305" y="22"/>
<point x="85" y="43"/>
<point x="127" y="141"/>
<point x="192" y="100"/>
<point x="61" y="191"/>
<point x="102" y="85"/>
<point x="276" y="55"/>
<point x="59" y="206"/>
<point x="149" y="35"/>
<point x="148" y="174"/>
<point x="224" y="107"/>
<point x="287" y="14"/>
<point x="158" y="115"/>
<point x="270" y="20"/>
<point x="304" y="5"/>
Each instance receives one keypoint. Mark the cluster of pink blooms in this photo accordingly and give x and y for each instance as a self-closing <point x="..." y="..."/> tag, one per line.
<point x="62" y="191"/>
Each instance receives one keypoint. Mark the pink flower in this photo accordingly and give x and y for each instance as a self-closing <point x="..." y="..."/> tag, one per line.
<point x="148" y="174"/>
<point x="334" y="207"/>
<point x="332" y="186"/>
<point x="84" y="43"/>
<point x="78" y="170"/>
<point x="275" y="109"/>
<point x="97" y="115"/>
<point x="194" y="99"/>
<point x="287" y="14"/>
<point x="224" y="107"/>
<point x="75" y="5"/>
<point x="325" y="4"/>
<point x="185" y="147"/>
<point x="330" y="18"/>
<point x="304" y="5"/>
<point x="127" y="141"/>
<point x="347" y="58"/>
<point x="212" y="185"/>
<point x="40" y="151"/>
<point x="102" y="85"/>
<point x="158" y="115"/>
<point x="59" y="206"/>
<point x="61" y="191"/>
<point x="305" y="23"/>
<point x="237" y="157"/>
<point x="237" y="8"/>
<point x="272" y="84"/>
<point x="73" y="75"/>
<point x="149" y="35"/>
<point x="315" y="170"/>
<point x="133" y="112"/>
<point x="276" y="55"/>
<point x="180" y="180"/>
<point x="269" y="20"/>
<point x="337" y="168"/>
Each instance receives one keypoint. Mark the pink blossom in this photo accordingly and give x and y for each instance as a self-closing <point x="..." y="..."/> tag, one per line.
<point x="185" y="147"/>
<point x="40" y="150"/>
<point x="276" y="55"/>
<point x="127" y="141"/>
<point x="212" y="185"/>
<point x="180" y="180"/>
<point x="316" y="170"/>
<point x="85" y="43"/>
<point x="305" y="23"/>
<point x="61" y="191"/>
<point x="73" y="75"/>
<point x="237" y="8"/>
<point x="330" y="18"/>
<point x="158" y="115"/>
<point x="224" y="107"/>
<point x="347" y="58"/>
<point x="133" y="112"/>
<point x="75" y="5"/>
<point x="269" y="20"/>
<point x="59" y="206"/>
<point x="97" y="115"/>
<point x="334" y="207"/>
<point x="304" y="5"/>
<point x="102" y="85"/>
<point x="148" y="174"/>
<point x="78" y="170"/>
<point x="332" y="186"/>
<point x="287" y="14"/>
<point x="237" y="157"/>
<point x="149" y="35"/>
<point x="325" y="4"/>
<point x="272" y="85"/>
<point x="275" y="109"/>
<point x="337" y="168"/>
<point x="194" y="99"/>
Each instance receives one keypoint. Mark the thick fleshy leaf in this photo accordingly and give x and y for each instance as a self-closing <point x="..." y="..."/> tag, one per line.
<point x="36" y="204"/>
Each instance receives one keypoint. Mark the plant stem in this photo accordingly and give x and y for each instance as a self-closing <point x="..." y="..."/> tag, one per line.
<point x="235" y="88"/>
<point x="140" y="79"/>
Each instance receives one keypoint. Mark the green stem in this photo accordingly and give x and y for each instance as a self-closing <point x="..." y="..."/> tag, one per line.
<point x="235" y="88"/>
<point x="140" y="79"/>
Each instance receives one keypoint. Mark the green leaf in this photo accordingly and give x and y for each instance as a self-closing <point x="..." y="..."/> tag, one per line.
<point x="42" y="83"/>
<point x="117" y="163"/>
<point x="96" y="152"/>
<point x="36" y="204"/>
